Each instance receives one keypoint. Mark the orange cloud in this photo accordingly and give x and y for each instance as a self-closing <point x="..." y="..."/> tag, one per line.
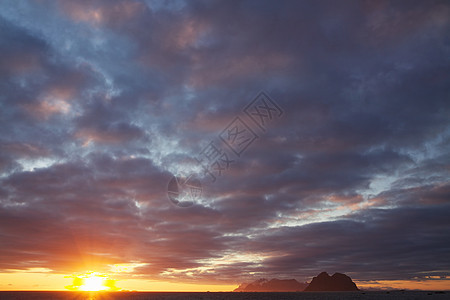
<point x="101" y="14"/>
<point x="237" y="67"/>
<point x="110" y="135"/>
<point x="46" y="108"/>
<point x="54" y="101"/>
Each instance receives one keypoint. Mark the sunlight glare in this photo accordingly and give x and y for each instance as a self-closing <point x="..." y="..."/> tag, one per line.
<point x="92" y="282"/>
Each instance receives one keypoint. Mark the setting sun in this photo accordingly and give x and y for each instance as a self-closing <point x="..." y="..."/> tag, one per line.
<point x="92" y="281"/>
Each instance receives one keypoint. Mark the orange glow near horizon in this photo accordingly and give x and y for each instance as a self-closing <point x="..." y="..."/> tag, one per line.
<point x="43" y="279"/>
<point x="425" y="285"/>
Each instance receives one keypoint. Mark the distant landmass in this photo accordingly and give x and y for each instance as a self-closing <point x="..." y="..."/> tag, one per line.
<point x="321" y="283"/>
<point x="336" y="283"/>
<point x="273" y="285"/>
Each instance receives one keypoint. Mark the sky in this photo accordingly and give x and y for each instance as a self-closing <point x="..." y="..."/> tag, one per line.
<point x="315" y="135"/>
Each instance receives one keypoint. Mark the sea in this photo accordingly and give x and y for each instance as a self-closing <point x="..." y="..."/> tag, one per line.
<point x="429" y="295"/>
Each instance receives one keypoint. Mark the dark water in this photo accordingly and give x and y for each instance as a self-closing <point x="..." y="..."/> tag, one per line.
<point x="223" y="296"/>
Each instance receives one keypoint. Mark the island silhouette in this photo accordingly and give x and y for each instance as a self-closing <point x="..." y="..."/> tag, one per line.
<point x="337" y="283"/>
<point x="321" y="283"/>
<point x="273" y="285"/>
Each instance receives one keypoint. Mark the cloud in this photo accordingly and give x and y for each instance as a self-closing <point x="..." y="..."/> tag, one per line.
<point x="116" y="133"/>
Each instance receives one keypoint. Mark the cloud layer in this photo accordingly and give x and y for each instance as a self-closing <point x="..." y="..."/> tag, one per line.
<point x="102" y="103"/>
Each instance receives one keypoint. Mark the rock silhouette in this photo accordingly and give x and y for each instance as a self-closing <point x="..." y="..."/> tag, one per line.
<point x="273" y="285"/>
<point x="336" y="283"/>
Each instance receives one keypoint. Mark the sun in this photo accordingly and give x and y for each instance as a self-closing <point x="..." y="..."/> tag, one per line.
<point x="92" y="282"/>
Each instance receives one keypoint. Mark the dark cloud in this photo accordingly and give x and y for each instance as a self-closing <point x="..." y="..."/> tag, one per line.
<point x="102" y="102"/>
